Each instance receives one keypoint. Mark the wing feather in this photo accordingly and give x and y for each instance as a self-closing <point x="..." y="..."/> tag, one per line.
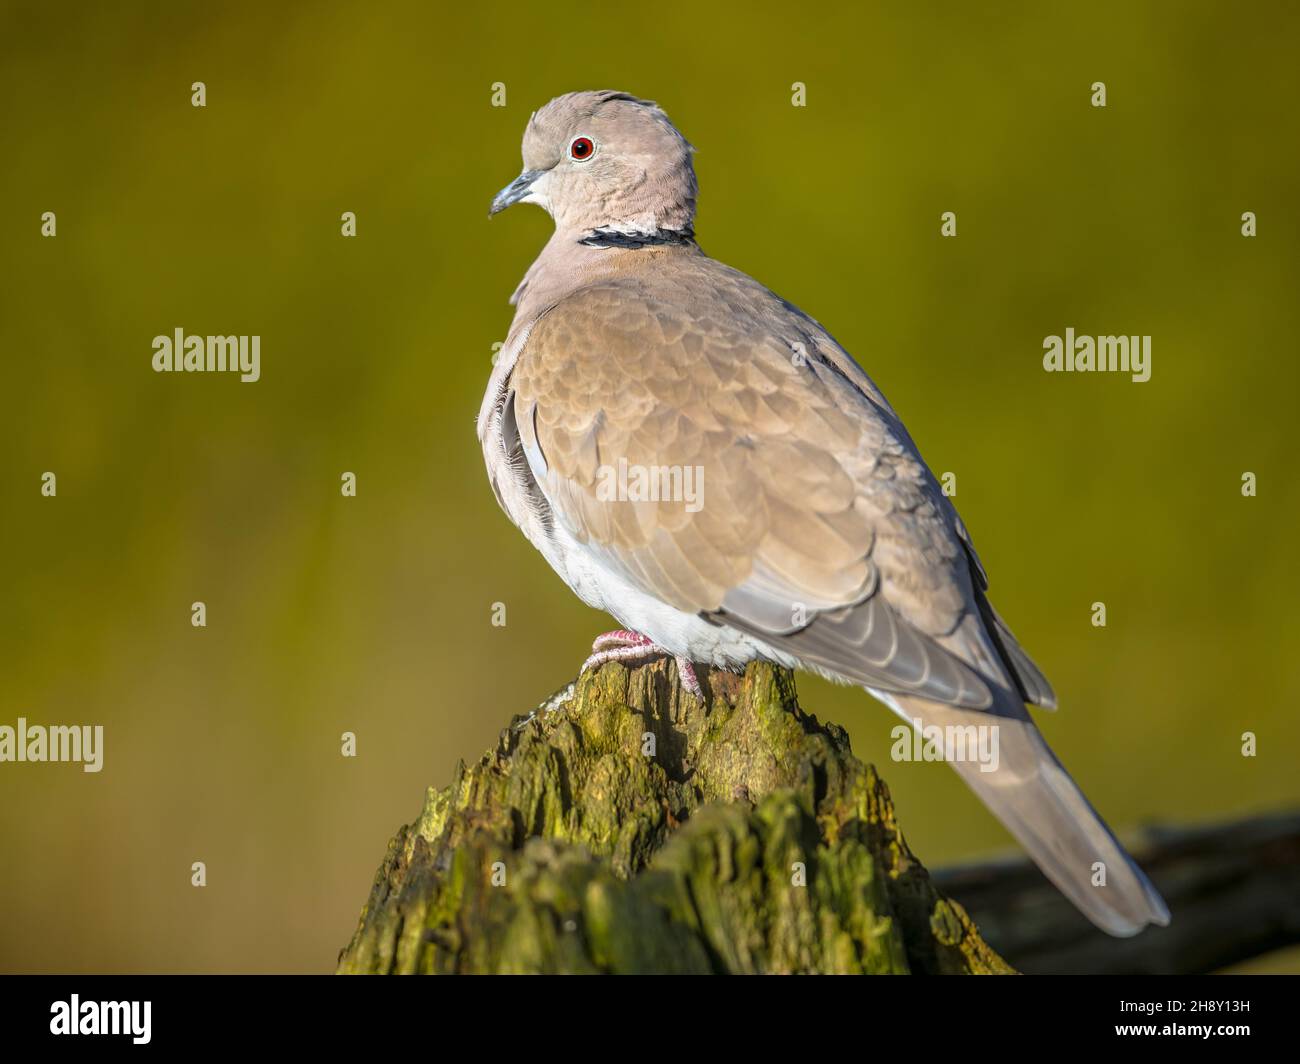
<point x="817" y="527"/>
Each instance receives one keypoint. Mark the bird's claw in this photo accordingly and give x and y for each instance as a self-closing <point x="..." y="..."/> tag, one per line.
<point x="623" y="645"/>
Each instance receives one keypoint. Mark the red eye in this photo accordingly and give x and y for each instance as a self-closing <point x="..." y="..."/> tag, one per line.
<point x="580" y="150"/>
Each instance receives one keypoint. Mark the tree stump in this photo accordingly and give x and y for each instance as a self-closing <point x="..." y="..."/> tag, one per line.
<point x="635" y="830"/>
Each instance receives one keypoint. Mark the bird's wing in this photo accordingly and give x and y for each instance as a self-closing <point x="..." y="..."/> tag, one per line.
<point x="818" y="528"/>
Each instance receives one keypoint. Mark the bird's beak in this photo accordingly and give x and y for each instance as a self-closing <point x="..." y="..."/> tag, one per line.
<point x="517" y="190"/>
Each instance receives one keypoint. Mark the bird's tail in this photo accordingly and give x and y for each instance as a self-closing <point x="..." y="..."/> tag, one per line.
<point x="1033" y="795"/>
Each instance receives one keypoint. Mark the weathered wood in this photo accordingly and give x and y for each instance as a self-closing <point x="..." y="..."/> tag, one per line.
<point x="1233" y="892"/>
<point x="636" y="830"/>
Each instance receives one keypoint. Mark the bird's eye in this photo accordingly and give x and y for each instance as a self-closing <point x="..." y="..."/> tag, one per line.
<point x="581" y="149"/>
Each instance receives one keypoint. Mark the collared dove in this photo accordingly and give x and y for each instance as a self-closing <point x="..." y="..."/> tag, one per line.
<point x="814" y="535"/>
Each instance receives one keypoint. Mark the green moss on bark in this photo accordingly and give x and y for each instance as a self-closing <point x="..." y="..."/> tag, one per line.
<point x="636" y="830"/>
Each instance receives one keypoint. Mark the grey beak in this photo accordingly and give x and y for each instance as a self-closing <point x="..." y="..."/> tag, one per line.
<point x="515" y="191"/>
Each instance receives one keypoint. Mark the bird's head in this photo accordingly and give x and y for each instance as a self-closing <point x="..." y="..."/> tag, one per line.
<point x="605" y="161"/>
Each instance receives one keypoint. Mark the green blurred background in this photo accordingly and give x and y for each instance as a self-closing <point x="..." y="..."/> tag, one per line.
<point x="373" y="614"/>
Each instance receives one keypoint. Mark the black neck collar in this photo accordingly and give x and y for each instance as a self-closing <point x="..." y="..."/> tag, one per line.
<point x="613" y="238"/>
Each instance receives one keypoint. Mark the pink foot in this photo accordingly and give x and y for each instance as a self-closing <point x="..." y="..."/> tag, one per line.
<point x="623" y="645"/>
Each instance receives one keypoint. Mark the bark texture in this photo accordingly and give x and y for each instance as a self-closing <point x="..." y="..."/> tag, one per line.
<point x="634" y="830"/>
<point x="1233" y="889"/>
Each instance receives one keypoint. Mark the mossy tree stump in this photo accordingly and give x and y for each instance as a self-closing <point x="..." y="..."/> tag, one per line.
<point x="635" y="830"/>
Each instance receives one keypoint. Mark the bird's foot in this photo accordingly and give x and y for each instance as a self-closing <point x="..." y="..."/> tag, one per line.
<point x="623" y="645"/>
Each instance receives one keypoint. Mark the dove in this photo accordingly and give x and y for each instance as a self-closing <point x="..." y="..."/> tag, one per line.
<point x="815" y="536"/>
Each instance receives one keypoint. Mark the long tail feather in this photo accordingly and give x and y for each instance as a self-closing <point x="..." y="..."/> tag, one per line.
<point x="1033" y="795"/>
